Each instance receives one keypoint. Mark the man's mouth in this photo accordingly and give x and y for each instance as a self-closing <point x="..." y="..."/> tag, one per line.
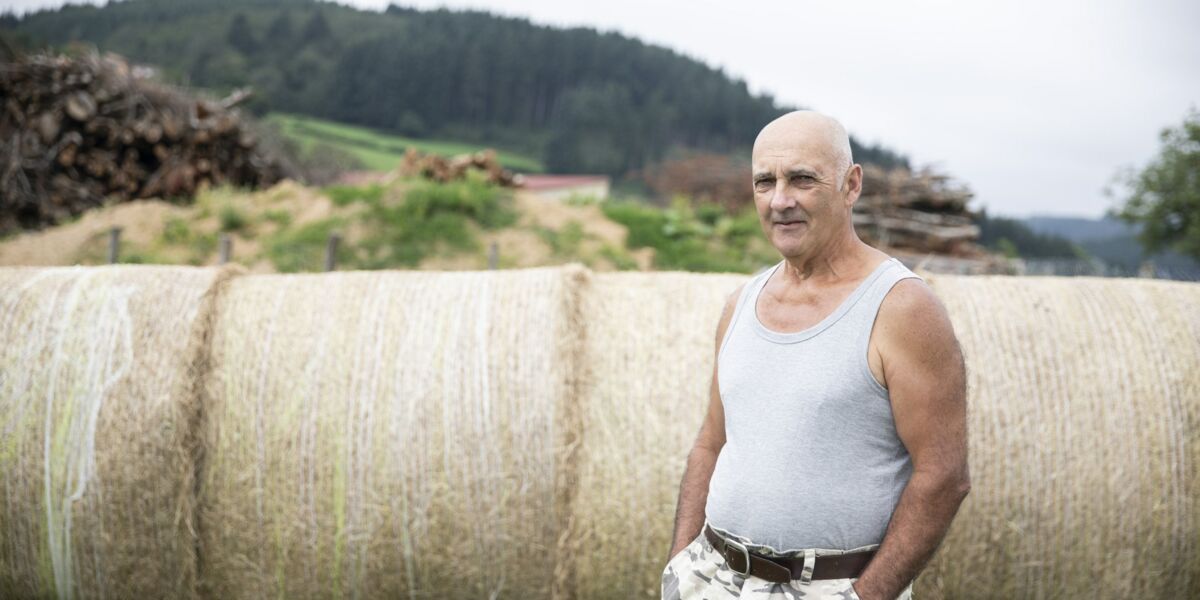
<point x="789" y="223"/>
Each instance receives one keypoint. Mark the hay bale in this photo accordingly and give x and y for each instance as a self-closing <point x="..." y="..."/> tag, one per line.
<point x="399" y="434"/>
<point x="1084" y="408"/>
<point x="96" y="382"/>
<point x="649" y="354"/>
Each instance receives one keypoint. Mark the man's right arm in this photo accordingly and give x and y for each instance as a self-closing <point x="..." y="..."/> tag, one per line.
<point x="693" y="490"/>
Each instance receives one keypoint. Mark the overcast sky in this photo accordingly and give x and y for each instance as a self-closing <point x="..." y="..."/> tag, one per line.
<point x="1035" y="105"/>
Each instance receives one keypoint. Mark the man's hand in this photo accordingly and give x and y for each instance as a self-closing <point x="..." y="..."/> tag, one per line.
<point x="926" y="379"/>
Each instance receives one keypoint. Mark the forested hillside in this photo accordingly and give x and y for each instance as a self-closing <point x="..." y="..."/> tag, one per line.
<point x="578" y="99"/>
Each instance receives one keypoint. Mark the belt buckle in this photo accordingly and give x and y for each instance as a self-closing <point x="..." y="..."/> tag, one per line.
<point x="745" y="555"/>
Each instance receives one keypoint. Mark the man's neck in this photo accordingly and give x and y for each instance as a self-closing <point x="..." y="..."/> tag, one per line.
<point x="833" y="264"/>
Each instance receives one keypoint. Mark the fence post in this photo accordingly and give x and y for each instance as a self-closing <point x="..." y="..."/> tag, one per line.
<point x="331" y="250"/>
<point x="493" y="256"/>
<point x="114" y="242"/>
<point x="226" y="244"/>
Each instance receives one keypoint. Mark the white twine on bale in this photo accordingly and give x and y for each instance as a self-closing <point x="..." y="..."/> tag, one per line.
<point x="92" y="458"/>
<point x="411" y="427"/>
<point x="111" y="338"/>
<point x="69" y="454"/>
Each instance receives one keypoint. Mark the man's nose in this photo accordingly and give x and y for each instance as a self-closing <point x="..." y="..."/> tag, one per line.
<point x="780" y="201"/>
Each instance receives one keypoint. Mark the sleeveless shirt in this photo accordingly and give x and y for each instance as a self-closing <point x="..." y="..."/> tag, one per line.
<point x="811" y="458"/>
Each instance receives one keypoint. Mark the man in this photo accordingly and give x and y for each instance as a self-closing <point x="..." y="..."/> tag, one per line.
<point x="833" y="456"/>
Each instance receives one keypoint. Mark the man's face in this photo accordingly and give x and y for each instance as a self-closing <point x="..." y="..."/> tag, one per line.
<point x="798" y="195"/>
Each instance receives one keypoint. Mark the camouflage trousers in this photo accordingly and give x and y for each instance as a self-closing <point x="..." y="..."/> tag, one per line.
<point x="699" y="572"/>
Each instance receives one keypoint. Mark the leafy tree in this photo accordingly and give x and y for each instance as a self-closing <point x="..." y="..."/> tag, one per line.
<point x="1164" y="197"/>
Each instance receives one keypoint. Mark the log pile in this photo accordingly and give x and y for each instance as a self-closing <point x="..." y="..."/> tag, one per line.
<point x="77" y="132"/>
<point x="456" y="168"/>
<point x="920" y="212"/>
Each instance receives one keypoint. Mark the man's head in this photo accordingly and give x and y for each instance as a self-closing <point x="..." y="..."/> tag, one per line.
<point x="805" y="183"/>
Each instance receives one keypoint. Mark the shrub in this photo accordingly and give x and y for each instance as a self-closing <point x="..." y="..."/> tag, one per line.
<point x="231" y="218"/>
<point x="303" y="248"/>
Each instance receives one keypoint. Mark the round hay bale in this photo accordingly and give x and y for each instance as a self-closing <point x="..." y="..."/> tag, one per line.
<point x="1084" y="408"/>
<point x="386" y="435"/>
<point x="97" y="382"/>
<point x="648" y="354"/>
<point x="1084" y="413"/>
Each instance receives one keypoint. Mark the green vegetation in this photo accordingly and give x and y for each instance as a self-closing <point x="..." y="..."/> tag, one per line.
<point x="1163" y="199"/>
<point x="694" y="238"/>
<point x="619" y="258"/>
<point x="303" y="248"/>
<point x="430" y="217"/>
<point x="343" y="195"/>
<point x="576" y="100"/>
<point x="231" y="218"/>
<point x="564" y="243"/>
<point x="141" y="257"/>
<point x="379" y="151"/>
<point x="177" y="232"/>
<point x="396" y="229"/>
<point x="282" y="218"/>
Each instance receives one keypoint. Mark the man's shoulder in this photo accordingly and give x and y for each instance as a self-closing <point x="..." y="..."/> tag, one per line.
<point x="912" y="317"/>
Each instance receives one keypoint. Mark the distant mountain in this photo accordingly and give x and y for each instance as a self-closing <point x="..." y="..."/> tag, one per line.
<point x="577" y="99"/>
<point x="1107" y="239"/>
<point x="1079" y="229"/>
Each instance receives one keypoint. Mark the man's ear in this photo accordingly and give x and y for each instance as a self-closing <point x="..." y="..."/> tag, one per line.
<point x="852" y="186"/>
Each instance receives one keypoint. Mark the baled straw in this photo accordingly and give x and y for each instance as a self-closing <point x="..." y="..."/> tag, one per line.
<point x="94" y="400"/>
<point x="391" y="435"/>
<point x="1084" y="409"/>
<point x="649" y="352"/>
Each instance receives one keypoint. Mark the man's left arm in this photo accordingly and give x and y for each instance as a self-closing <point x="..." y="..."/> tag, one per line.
<point x="926" y="379"/>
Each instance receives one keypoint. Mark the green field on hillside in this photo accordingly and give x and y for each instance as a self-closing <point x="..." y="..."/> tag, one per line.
<point x="381" y="151"/>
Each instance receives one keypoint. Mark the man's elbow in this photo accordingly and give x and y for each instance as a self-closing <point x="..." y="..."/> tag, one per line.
<point x="951" y="484"/>
<point x="963" y="487"/>
<point x="707" y="447"/>
<point x="960" y="482"/>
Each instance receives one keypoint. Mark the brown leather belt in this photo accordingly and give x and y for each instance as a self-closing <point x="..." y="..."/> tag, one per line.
<point x="783" y="570"/>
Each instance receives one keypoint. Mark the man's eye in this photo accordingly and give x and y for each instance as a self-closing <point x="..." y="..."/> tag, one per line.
<point x="803" y="178"/>
<point x="763" y="184"/>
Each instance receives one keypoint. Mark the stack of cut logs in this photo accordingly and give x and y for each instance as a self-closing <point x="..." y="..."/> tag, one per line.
<point x="77" y="131"/>
<point x="442" y="169"/>
<point x="922" y="212"/>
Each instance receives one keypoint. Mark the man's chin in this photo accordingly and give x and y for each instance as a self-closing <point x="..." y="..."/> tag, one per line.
<point x="788" y="246"/>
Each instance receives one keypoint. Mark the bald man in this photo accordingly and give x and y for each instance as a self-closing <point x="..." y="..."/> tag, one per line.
<point x="833" y="455"/>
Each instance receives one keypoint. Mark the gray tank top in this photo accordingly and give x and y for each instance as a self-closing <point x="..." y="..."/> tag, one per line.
<point x="811" y="458"/>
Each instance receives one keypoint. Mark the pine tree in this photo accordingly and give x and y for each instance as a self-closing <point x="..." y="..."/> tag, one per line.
<point x="240" y="36"/>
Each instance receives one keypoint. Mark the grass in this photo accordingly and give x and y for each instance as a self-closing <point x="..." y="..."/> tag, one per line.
<point x="382" y="151"/>
<point x="395" y="226"/>
<point x="232" y="218"/>
<point x="565" y="242"/>
<point x="431" y="218"/>
<point x="620" y="258"/>
<point x="303" y="248"/>
<point x="403" y="223"/>
<point x="342" y="195"/>
<point x="700" y="238"/>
